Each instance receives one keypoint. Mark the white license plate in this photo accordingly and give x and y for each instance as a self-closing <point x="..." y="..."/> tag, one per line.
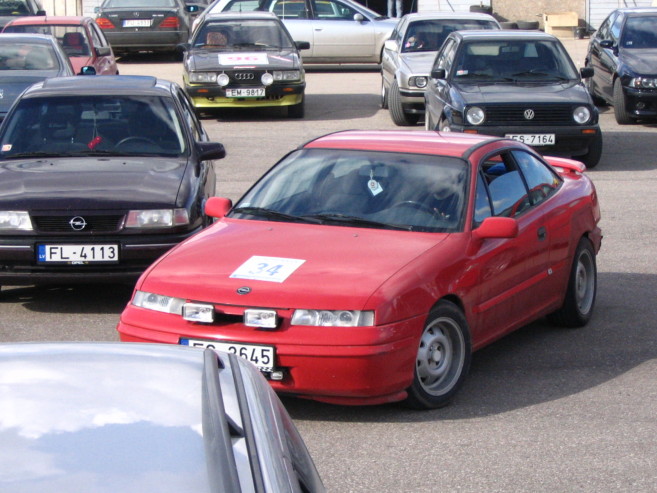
<point x="261" y="356"/>
<point x="77" y="254"/>
<point x="137" y="23"/>
<point x="533" y="139"/>
<point x="254" y="92"/>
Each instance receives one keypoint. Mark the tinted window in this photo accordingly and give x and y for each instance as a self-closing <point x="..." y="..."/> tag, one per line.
<point x="130" y="4"/>
<point x="126" y="125"/>
<point x="430" y="35"/>
<point x="328" y="10"/>
<point x="482" y="202"/>
<point x="247" y="33"/>
<point x="506" y="188"/>
<point x="26" y="56"/>
<point x="541" y="181"/>
<point x="640" y="32"/>
<point x="14" y="8"/>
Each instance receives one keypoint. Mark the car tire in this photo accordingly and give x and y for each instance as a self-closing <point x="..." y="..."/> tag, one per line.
<point x="397" y="113"/>
<point x="620" y="105"/>
<point x="592" y="157"/>
<point x="297" y="110"/>
<point x="578" y="304"/>
<point x="384" y="95"/>
<point x="443" y="358"/>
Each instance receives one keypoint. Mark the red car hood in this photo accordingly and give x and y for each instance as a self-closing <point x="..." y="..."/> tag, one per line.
<point x="342" y="267"/>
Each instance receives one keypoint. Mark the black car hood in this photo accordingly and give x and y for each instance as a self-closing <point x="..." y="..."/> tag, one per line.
<point x="105" y="183"/>
<point x="564" y="92"/>
<point x="12" y="86"/>
<point x="267" y="60"/>
<point x="642" y="61"/>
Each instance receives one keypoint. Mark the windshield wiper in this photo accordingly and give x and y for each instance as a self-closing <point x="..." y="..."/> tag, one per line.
<point x="22" y="155"/>
<point x="272" y="214"/>
<point x="355" y="220"/>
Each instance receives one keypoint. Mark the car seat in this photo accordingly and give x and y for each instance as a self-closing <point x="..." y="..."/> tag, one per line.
<point x="74" y="44"/>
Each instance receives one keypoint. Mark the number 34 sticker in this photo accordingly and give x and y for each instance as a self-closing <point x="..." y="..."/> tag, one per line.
<point x="271" y="269"/>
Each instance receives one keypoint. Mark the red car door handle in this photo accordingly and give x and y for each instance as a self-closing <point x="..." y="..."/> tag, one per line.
<point x="542" y="233"/>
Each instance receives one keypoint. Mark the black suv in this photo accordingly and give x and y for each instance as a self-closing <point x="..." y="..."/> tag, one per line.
<point x="10" y="9"/>
<point x="623" y="55"/>
<point x="520" y="85"/>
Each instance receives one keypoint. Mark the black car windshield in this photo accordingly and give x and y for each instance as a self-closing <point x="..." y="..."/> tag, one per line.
<point x="384" y="190"/>
<point x="428" y="35"/>
<point x="242" y="34"/>
<point x="640" y="32"/>
<point x="131" y="4"/>
<point x="513" y="60"/>
<point x="14" y="8"/>
<point x="91" y="125"/>
<point x="27" y="56"/>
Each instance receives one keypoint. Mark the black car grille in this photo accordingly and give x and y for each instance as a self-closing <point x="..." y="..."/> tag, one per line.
<point x="554" y="114"/>
<point x="246" y="78"/>
<point x="92" y="224"/>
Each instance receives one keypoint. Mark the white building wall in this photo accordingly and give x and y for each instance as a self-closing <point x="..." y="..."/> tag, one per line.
<point x="88" y="7"/>
<point x="598" y="10"/>
<point x="62" y="7"/>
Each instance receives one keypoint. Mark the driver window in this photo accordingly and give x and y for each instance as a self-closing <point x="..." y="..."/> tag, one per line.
<point x="329" y="10"/>
<point x="506" y="187"/>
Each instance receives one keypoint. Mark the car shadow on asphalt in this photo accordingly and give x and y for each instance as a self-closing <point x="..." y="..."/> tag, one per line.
<point x="536" y="364"/>
<point x="77" y="298"/>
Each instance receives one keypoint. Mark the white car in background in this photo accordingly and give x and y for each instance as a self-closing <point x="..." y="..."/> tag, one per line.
<point x="409" y="54"/>
<point x="339" y="31"/>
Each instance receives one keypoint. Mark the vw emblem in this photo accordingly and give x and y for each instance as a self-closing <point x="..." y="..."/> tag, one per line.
<point x="78" y="223"/>
<point x="244" y="76"/>
<point x="244" y="290"/>
<point x="529" y="114"/>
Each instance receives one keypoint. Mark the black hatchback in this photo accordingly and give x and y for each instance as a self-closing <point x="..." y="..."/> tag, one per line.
<point x="623" y="56"/>
<point x="520" y="85"/>
<point x="99" y="177"/>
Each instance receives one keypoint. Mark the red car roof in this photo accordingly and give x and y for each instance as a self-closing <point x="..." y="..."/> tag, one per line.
<point x="419" y="142"/>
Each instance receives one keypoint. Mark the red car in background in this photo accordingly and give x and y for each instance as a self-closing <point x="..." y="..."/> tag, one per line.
<point x="366" y="266"/>
<point x="80" y="37"/>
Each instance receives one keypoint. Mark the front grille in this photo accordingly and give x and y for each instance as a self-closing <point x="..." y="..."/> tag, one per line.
<point x="246" y="78"/>
<point x="94" y="224"/>
<point x="553" y="114"/>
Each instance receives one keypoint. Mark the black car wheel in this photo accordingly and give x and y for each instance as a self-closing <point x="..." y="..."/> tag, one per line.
<point x="620" y="105"/>
<point x="591" y="158"/>
<point x="443" y="358"/>
<point x="297" y="110"/>
<point x="397" y="113"/>
<point x="578" y="305"/>
<point x="384" y="95"/>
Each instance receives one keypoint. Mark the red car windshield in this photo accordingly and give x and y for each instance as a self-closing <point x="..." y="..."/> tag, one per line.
<point x="414" y="192"/>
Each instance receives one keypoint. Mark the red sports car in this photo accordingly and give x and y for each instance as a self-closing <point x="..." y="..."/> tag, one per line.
<point x="366" y="266"/>
<point x="80" y="37"/>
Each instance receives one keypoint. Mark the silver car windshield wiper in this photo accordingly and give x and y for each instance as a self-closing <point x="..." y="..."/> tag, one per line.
<point x="355" y="220"/>
<point x="272" y="214"/>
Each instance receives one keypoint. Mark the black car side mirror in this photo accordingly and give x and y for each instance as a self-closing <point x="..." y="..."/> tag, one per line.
<point x="302" y="45"/>
<point x="87" y="70"/>
<point x="607" y="43"/>
<point x="586" y="72"/>
<point x="41" y="12"/>
<point x="438" y="73"/>
<point x="182" y="47"/>
<point x="210" y="150"/>
<point x="103" y="51"/>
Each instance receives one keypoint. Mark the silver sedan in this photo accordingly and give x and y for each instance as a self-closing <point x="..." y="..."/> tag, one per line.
<point x="408" y="56"/>
<point x="339" y="31"/>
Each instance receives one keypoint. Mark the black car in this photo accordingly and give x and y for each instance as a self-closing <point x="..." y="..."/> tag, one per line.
<point x="26" y="59"/>
<point x="10" y="9"/>
<point x="98" y="177"/>
<point x="144" y="418"/>
<point x="244" y="60"/>
<point x="516" y="84"/>
<point x="623" y="56"/>
<point x="147" y="25"/>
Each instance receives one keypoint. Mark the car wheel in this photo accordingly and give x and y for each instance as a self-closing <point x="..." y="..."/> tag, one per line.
<point x="297" y="110"/>
<point x="591" y="158"/>
<point x="397" y="113"/>
<point x="384" y="95"/>
<point x="443" y="358"/>
<point x="620" y="105"/>
<point x="578" y="305"/>
<point x="444" y="126"/>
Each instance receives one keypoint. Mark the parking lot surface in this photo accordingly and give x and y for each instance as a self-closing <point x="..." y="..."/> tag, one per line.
<point x="544" y="409"/>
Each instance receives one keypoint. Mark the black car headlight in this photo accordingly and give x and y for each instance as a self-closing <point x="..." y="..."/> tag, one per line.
<point x="203" y="77"/>
<point x="475" y="115"/>
<point x="582" y="115"/>
<point x="418" y="81"/>
<point x="15" y="221"/>
<point x="643" y="83"/>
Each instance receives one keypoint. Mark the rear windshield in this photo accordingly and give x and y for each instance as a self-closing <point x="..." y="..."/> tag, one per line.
<point x="129" y="4"/>
<point x="27" y="56"/>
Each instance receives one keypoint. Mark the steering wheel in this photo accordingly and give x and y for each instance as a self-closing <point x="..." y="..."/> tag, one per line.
<point x="135" y="139"/>
<point x="415" y="205"/>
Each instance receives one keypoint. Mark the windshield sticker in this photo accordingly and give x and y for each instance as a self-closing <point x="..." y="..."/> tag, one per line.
<point x="243" y="59"/>
<point x="272" y="269"/>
